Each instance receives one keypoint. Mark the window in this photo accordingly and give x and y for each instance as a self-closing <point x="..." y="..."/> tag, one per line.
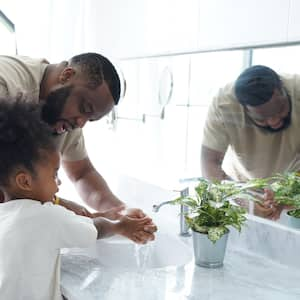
<point x="283" y="59"/>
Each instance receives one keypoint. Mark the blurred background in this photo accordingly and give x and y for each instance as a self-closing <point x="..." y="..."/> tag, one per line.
<point x="173" y="56"/>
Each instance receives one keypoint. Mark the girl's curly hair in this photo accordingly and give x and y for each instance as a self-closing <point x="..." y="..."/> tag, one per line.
<point x="23" y="137"/>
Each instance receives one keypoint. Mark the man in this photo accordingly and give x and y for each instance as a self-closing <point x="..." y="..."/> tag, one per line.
<point x="70" y="93"/>
<point x="257" y="117"/>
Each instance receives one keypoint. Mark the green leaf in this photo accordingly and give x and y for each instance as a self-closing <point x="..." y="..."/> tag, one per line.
<point x="210" y="208"/>
<point x="215" y="233"/>
<point x="294" y="213"/>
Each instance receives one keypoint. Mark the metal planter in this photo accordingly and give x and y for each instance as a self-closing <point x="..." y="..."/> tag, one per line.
<point x="207" y="253"/>
<point x="293" y="221"/>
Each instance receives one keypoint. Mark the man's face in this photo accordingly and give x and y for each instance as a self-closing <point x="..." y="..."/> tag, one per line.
<point x="274" y="115"/>
<point x="70" y="106"/>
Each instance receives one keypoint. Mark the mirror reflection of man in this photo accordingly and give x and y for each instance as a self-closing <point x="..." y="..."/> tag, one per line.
<point x="71" y="93"/>
<point x="257" y="119"/>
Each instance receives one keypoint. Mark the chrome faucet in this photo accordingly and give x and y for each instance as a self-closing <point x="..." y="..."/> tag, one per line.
<point x="156" y="207"/>
<point x="184" y="229"/>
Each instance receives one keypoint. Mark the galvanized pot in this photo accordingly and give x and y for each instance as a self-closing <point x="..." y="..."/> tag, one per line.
<point x="207" y="253"/>
<point x="293" y="221"/>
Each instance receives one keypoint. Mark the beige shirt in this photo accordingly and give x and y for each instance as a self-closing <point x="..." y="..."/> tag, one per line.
<point x="255" y="152"/>
<point x="21" y="76"/>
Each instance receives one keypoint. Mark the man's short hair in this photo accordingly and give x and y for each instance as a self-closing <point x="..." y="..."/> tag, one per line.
<point x="98" y="68"/>
<point x="255" y="86"/>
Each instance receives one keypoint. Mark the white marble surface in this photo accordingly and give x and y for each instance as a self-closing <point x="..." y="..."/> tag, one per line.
<point x="243" y="276"/>
<point x="268" y="239"/>
<point x="262" y="263"/>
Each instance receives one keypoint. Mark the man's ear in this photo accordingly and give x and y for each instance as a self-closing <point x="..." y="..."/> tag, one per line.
<point x="66" y="75"/>
<point x="24" y="181"/>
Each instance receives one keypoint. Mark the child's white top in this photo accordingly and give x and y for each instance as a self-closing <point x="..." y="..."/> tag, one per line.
<point x="31" y="235"/>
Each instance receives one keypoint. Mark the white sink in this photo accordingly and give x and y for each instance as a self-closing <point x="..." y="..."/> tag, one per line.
<point x="166" y="250"/>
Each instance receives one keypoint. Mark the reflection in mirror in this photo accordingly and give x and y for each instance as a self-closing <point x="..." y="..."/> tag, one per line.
<point x="208" y="73"/>
<point x="123" y="83"/>
<point x="165" y="90"/>
<point x="165" y="87"/>
<point x="255" y="122"/>
<point x="285" y="61"/>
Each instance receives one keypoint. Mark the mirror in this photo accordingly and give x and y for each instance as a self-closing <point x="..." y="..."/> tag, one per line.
<point x="165" y="87"/>
<point x="161" y="150"/>
<point x="284" y="61"/>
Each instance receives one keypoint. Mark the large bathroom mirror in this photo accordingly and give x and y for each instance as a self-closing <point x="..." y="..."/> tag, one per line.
<point x="284" y="60"/>
<point x="163" y="151"/>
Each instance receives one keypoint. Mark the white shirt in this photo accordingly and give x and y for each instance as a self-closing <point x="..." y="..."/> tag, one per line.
<point x="31" y="235"/>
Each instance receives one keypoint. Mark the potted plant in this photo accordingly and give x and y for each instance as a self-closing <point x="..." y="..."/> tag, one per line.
<point x="211" y="212"/>
<point x="286" y="188"/>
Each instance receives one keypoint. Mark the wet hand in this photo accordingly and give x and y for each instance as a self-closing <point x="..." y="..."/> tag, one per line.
<point x="149" y="229"/>
<point x="133" y="228"/>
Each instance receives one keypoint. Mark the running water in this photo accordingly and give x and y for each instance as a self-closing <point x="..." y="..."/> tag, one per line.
<point x="142" y="254"/>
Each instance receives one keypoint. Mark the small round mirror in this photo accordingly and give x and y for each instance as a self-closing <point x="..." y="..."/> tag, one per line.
<point x="165" y="87"/>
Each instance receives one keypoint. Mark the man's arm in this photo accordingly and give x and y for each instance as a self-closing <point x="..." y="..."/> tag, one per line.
<point x="90" y="185"/>
<point x="95" y="192"/>
<point x="211" y="164"/>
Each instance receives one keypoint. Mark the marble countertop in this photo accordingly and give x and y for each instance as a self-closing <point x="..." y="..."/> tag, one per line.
<point x="262" y="262"/>
<point x="243" y="276"/>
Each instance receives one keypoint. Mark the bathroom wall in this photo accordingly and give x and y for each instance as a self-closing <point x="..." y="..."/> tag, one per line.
<point x="155" y="146"/>
<point x="160" y="51"/>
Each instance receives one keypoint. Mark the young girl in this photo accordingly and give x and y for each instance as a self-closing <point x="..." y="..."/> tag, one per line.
<point x="32" y="227"/>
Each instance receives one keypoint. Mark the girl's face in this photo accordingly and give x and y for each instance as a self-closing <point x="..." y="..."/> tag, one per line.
<point x="45" y="183"/>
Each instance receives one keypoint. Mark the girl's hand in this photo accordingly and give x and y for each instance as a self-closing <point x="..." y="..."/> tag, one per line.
<point x="133" y="228"/>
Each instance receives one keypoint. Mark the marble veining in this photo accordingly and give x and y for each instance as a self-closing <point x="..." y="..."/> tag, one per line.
<point x="261" y="263"/>
<point x="244" y="276"/>
<point x="268" y="239"/>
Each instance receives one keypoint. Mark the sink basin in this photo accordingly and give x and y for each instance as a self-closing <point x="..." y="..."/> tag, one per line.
<point x="166" y="250"/>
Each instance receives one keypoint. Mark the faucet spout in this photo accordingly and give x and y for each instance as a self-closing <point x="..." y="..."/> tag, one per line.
<point x="156" y="207"/>
<point x="184" y="229"/>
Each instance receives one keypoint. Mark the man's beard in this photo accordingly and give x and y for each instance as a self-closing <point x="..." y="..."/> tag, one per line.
<point x="286" y="121"/>
<point x="53" y="107"/>
<point x="285" y="125"/>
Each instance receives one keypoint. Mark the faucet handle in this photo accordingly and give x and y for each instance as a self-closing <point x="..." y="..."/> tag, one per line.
<point x="190" y="179"/>
<point x="183" y="192"/>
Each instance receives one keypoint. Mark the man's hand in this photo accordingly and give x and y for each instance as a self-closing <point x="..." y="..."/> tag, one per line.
<point x="267" y="207"/>
<point x="132" y="228"/>
<point x="269" y="212"/>
<point x="147" y="234"/>
<point x="270" y="207"/>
